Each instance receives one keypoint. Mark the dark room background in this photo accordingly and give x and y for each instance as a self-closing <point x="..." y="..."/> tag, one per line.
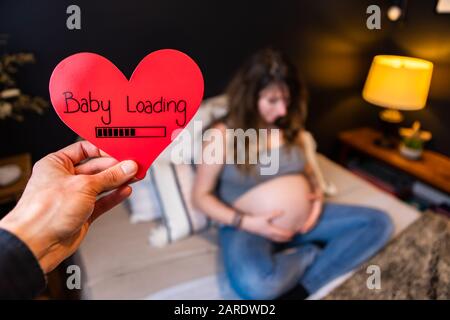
<point x="327" y="39"/>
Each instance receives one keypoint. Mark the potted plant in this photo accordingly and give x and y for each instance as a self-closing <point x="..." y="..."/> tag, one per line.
<point x="413" y="141"/>
<point x="14" y="103"/>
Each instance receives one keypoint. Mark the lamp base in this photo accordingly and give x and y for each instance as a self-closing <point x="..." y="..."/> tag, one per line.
<point x="390" y="118"/>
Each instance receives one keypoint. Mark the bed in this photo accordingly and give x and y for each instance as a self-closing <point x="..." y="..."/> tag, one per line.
<point x="119" y="263"/>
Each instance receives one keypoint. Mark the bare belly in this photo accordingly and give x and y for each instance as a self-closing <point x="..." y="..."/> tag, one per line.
<point x="286" y="193"/>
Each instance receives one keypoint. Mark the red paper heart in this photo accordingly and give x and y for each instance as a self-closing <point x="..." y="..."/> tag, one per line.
<point x="132" y="119"/>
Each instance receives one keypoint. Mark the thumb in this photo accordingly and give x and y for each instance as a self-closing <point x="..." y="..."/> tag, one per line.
<point x="115" y="176"/>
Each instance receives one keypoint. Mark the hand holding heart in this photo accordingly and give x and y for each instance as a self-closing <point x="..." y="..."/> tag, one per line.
<point x="133" y="119"/>
<point x="61" y="200"/>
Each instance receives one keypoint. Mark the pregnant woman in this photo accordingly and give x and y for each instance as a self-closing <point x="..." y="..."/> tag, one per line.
<point x="278" y="239"/>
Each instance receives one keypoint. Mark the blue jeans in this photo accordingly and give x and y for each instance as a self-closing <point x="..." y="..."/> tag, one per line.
<point x="258" y="268"/>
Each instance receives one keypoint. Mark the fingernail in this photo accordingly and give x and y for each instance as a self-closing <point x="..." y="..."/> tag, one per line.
<point x="129" y="167"/>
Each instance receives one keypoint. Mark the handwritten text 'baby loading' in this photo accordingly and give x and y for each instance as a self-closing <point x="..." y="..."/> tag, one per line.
<point x="90" y="104"/>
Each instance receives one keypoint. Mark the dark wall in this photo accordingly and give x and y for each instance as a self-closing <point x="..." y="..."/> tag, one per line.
<point x="335" y="50"/>
<point x="327" y="39"/>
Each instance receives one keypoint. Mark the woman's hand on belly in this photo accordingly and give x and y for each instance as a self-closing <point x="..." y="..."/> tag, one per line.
<point x="289" y="194"/>
<point x="262" y="225"/>
<point x="316" y="210"/>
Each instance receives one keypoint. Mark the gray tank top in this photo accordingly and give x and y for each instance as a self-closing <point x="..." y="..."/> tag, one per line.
<point x="233" y="183"/>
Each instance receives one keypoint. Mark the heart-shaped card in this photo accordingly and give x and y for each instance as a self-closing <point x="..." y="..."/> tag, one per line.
<point x="132" y="119"/>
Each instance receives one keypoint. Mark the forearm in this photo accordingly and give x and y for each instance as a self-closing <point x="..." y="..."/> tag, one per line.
<point x="313" y="217"/>
<point x="28" y="221"/>
<point x="316" y="210"/>
<point x="215" y="209"/>
<point x="312" y="177"/>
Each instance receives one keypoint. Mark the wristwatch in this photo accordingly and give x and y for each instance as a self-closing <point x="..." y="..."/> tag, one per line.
<point x="237" y="219"/>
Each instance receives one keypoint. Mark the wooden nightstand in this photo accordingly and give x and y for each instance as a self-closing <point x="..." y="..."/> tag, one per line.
<point x="423" y="183"/>
<point x="433" y="168"/>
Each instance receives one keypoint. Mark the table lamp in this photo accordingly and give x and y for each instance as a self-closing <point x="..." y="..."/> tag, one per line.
<point x="397" y="83"/>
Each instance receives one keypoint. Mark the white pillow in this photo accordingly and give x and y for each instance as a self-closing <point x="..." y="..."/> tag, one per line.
<point x="210" y="110"/>
<point x="143" y="202"/>
<point x="173" y="184"/>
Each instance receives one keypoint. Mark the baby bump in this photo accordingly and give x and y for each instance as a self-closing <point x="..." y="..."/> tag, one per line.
<point x="285" y="193"/>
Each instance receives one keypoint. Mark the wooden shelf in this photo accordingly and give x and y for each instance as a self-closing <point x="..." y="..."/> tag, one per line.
<point x="432" y="168"/>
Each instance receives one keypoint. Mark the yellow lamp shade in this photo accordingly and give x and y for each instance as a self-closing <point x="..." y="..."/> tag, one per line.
<point x="398" y="82"/>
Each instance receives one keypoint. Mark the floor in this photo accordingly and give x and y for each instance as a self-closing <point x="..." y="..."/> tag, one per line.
<point x="416" y="265"/>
